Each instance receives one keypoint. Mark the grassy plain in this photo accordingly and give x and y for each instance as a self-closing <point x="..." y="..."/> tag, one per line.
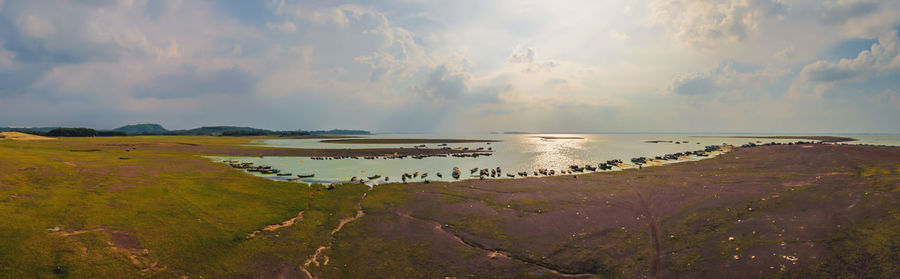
<point x="78" y="208"/>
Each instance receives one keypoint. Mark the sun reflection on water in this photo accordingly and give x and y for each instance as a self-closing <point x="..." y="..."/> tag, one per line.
<point x="554" y="151"/>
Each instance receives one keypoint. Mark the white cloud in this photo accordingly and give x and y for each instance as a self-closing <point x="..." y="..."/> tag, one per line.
<point x="525" y="57"/>
<point x="707" y="23"/>
<point x="840" y="11"/>
<point x="287" y="26"/>
<point x="6" y="57"/>
<point x="820" y="76"/>
<point x="36" y="26"/>
<point x="727" y="79"/>
<point x="861" y="18"/>
<point x="787" y="53"/>
<point x="168" y="52"/>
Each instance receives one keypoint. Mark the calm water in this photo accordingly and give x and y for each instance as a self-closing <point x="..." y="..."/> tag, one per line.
<point x="512" y="154"/>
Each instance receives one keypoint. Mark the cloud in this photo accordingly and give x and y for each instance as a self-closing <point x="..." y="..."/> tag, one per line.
<point x="787" y="53"/>
<point x="861" y="18"/>
<point x="728" y="78"/>
<point x="286" y="27"/>
<point x="522" y="55"/>
<point x="890" y="96"/>
<point x="707" y="23"/>
<point x="444" y="83"/>
<point x="557" y="81"/>
<point x="425" y="66"/>
<point x="881" y="59"/>
<point x="841" y="11"/>
<point x="694" y="84"/>
<point x="190" y="83"/>
<point x="525" y="57"/>
<point x="7" y="58"/>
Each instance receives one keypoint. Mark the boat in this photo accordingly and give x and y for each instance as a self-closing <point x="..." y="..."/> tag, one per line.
<point x="306" y="175"/>
<point x="284" y="174"/>
<point x="374" y="177"/>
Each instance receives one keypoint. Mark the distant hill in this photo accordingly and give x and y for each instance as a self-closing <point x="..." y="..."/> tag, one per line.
<point x="141" y="129"/>
<point x="30" y="130"/>
<point x="339" y="132"/>
<point x="224" y="131"/>
<point x="159" y="130"/>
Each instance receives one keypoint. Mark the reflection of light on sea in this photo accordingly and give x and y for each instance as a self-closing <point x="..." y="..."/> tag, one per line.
<point x="554" y="153"/>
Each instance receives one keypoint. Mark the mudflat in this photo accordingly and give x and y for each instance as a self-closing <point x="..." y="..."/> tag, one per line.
<point x="815" y="138"/>
<point x="796" y="211"/>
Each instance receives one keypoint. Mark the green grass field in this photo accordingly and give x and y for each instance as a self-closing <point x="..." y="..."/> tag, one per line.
<point x="156" y="213"/>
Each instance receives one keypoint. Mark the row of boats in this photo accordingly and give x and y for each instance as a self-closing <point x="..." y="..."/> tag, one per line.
<point x="398" y="156"/>
<point x="483" y="173"/>
<point x="263" y="169"/>
<point x="608" y="165"/>
<point x="760" y="143"/>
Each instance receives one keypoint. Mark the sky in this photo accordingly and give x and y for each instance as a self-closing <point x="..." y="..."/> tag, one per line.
<point x="462" y="66"/>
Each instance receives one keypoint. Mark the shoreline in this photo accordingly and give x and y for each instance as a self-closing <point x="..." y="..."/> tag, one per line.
<point x="832" y="139"/>
<point x="404" y="141"/>
<point x="651" y="162"/>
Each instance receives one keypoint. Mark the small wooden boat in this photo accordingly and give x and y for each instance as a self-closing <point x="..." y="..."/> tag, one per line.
<point x="306" y="175"/>
<point x="374" y="177"/>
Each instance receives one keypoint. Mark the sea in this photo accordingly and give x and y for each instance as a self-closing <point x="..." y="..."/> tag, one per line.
<point x="512" y="153"/>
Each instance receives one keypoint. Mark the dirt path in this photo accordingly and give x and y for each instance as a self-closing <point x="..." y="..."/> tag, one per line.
<point x="138" y="256"/>
<point x="654" y="234"/>
<point x="320" y="252"/>
<point x="286" y="223"/>
<point x="493" y="253"/>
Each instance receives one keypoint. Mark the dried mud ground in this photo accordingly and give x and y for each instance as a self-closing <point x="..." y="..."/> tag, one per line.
<point x="74" y="208"/>
<point x="797" y="211"/>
